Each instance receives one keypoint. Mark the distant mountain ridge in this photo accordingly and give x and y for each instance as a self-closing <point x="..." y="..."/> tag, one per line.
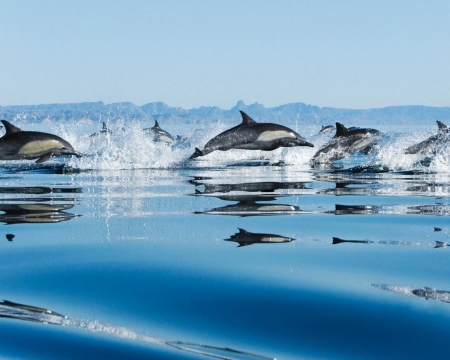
<point x="288" y="113"/>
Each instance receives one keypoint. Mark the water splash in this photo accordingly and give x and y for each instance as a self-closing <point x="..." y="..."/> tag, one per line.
<point x="128" y="147"/>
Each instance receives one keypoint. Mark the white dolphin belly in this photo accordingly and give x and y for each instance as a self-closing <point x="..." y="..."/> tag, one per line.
<point x="37" y="147"/>
<point x="268" y="136"/>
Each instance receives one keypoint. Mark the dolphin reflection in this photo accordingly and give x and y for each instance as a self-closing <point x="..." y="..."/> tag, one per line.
<point x="245" y="238"/>
<point x="251" y="205"/>
<point x="35" y="213"/>
<point x="262" y="186"/>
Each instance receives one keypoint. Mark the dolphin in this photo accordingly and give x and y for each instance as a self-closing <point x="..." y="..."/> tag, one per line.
<point x="429" y="145"/>
<point x="347" y="141"/>
<point x="104" y="130"/>
<point x="250" y="135"/>
<point x="244" y="238"/>
<point x="29" y="145"/>
<point x="160" y="134"/>
<point x="326" y="129"/>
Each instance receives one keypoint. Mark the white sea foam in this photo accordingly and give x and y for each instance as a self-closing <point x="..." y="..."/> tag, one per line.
<point x="128" y="147"/>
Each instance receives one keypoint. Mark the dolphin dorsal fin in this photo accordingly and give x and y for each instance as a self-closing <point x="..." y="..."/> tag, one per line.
<point x="10" y="128"/>
<point x="156" y="125"/>
<point x="104" y="127"/>
<point x="442" y="127"/>
<point x="340" y="129"/>
<point x="246" y="120"/>
<point x="242" y="231"/>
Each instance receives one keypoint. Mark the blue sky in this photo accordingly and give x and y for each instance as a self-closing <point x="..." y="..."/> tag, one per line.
<point x="347" y="54"/>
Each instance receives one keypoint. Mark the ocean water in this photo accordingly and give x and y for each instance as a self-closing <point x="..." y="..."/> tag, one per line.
<point x="133" y="251"/>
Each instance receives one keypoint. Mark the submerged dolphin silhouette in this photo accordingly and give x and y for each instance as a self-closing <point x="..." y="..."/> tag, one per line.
<point x="250" y="135"/>
<point x="29" y="145"/>
<point x="347" y="141"/>
<point x="429" y="145"/>
<point x="160" y="134"/>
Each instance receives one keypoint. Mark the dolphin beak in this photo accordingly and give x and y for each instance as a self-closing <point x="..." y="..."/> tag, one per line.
<point x="77" y="154"/>
<point x="305" y="143"/>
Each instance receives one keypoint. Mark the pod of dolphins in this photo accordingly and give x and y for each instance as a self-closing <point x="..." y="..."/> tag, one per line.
<point x="18" y="144"/>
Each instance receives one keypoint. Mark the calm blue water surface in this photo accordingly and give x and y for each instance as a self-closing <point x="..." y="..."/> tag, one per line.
<point x="235" y="256"/>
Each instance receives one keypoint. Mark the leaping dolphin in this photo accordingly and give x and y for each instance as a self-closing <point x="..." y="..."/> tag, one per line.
<point x="347" y="141"/>
<point x="250" y="135"/>
<point x="29" y="145"/>
<point x="160" y="134"/>
<point x="326" y="129"/>
<point x="104" y="130"/>
<point x="429" y="145"/>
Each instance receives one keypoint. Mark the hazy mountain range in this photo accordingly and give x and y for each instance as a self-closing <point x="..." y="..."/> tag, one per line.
<point x="295" y="112"/>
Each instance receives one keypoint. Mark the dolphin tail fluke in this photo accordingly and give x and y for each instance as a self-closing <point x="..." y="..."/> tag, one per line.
<point x="196" y="154"/>
<point x="337" y="240"/>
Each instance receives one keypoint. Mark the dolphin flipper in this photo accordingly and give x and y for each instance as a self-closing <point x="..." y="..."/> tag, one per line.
<point x="44" y="158"/>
